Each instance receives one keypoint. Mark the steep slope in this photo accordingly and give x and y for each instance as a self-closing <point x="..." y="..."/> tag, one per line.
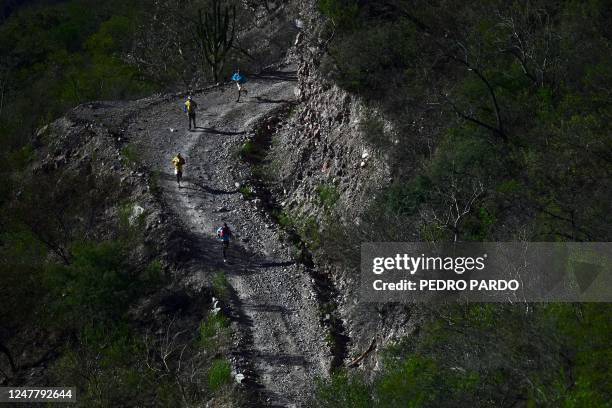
<point x="272" y="297"/>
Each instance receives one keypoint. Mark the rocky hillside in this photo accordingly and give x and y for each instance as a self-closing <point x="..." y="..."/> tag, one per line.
<point x="363" y="121"/>
<point x="390" y="139"/>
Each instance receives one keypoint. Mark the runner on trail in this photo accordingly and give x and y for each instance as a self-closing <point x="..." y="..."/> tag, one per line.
<point x="178" y="161"/>
<point x="224" y="234"/>
<point x="190" y="110"/>
<point x="239" y="79"/>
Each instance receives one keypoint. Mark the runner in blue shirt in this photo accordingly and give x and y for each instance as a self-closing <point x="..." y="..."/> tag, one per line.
<point x="239" y="79"/>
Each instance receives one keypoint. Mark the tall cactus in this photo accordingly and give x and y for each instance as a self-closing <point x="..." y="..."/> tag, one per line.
<point x="215" y="29"/>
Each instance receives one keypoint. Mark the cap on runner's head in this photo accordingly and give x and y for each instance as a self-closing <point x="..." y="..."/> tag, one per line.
<point x="189" y="97"/>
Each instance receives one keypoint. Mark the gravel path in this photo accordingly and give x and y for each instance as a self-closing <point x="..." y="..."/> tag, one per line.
<point x="273" y="297"/>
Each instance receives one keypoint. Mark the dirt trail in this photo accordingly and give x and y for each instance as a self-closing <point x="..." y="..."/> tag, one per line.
<point x="273" y="297"/>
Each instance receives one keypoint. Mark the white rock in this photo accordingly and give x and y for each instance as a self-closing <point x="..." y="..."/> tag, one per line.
<point x="364" y="155"/>
<point x="42" y="131"/>
<point x="136" y="212"/>
<point x="362" y="164"/>
<point x="215" y="309"/>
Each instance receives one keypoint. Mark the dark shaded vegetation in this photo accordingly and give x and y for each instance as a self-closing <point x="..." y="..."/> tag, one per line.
<point x="68" y="279"/>
<point x="216" y="28"/>
<point x="501" y="114"/>
<point x="502" y="132"/>
<point x="490" y="356"/>
<point x="60" y="55"/>
<point x="74" y="261"/>
<point x="60" y="275"/>
<point x="502" y="109"/>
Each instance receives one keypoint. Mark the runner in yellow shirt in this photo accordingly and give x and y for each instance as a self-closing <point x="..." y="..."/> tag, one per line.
<point x="190" y="110"/>
<point x="178" y="161"/>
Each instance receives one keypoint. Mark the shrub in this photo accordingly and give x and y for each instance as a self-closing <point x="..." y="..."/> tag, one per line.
<point x="328" y="195"/>
<point x="343" y="391"/>
<point x="220" y="285"/>
<point x="418" y="381"/>
<point x="130" y="154"/>
<point x="309" y="230"/>
<point x="219" y="374"/>
<point x="285" y="220"/>
<point x="212" y="330"/>
<point x="105" y="365"/>
<point x="247" y="192"/>
<point x="344" y="13"/>
<point x="251" y="152"/>
<point x="247" y="148"/>
<point x="95" y="286"/>
<point x="405" y="198"/>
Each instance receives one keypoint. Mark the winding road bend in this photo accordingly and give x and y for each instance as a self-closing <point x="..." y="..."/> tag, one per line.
<point x="272" y="297"/>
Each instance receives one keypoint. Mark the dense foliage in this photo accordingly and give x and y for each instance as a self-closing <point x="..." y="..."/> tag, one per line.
<point x="56" y="55"/>
<point x="58" y="274"/>
<point x="500" y="108"/>
<point x="501" y="114"/>
<point x="73" y="261"/>
<point x="490" y="356"/>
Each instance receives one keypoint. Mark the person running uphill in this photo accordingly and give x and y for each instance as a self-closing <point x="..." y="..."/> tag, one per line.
<point x="178" y="163"/>
<point x="190" y="110"/>
<point x="239" y="80"/>
<point x="224" y="234"/>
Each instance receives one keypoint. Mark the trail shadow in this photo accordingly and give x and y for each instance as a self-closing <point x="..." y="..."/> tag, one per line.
<point x="200" y="252"/>
<point x="244" y="352"/>
<point x="190" y="185"/>
<point x="200" y="255"/>
<point x="206" y="189"/>
<point x="222" y="132"/>
<point x="261" y="99"/>
<point x="242" y="262"/>
<point x="277" y="76"/>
